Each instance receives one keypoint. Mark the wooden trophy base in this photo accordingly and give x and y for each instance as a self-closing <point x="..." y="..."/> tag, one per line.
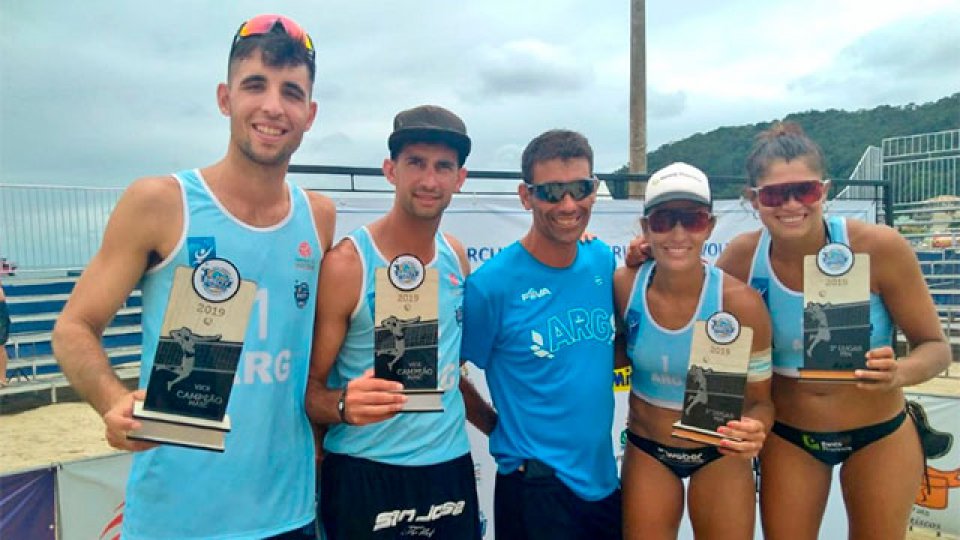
<point x="165" y="428"/>
<point x="696" y="434"/>
<point x="828" y="375"/>
<point x="419" y="401"/>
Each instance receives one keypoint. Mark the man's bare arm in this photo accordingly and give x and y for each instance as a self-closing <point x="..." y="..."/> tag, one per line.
<point x="367" y="399"/>
<point x="325" y="218"/>
<point x="141" y="227"/>
<point x="479" y="413"/>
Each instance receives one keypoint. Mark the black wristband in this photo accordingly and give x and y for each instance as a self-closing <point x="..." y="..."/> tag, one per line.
<point x="342" y="406"/>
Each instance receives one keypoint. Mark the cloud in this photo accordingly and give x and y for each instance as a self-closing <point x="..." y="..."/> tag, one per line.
<point x="530" y="68"/>
<point x="663" y="105"/>
<point x="100" y="92"/>
<point x="892" y="63"/>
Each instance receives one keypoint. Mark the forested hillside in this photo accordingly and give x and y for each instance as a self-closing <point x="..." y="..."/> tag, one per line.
<point x="843" y="135"/>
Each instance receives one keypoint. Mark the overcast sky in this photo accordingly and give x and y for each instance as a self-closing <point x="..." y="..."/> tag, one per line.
<point x="100" y="92"/>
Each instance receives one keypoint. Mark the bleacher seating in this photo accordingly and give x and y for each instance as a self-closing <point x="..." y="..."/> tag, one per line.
<point x="941" y="270"/>
<point x="34" y="305"/>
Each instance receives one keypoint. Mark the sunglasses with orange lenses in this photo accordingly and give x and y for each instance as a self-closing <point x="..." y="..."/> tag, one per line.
<point x="665" y="219"/>
<point x="264" y="24"/>
<point x="806" y="192"/>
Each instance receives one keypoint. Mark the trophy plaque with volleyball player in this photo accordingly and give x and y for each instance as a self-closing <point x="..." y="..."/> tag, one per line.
<point x="716" y="378"/>
<point x="406" y="336"/>
<point x="200" y="343"/>
<point x="836" y="314"/>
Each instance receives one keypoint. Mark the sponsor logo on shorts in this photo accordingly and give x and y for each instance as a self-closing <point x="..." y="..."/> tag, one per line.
<point x="394" y="518"/>
<point x="692" y="458"/>
<point x="811" y="443"/>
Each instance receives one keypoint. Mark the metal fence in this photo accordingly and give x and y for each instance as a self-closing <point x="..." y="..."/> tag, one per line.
<point x="922" y="167"/>
<point x="51" y="229"/>
<point x="924" y="171"/>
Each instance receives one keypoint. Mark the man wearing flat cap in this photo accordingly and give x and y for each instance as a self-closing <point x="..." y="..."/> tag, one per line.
<point x="387" y="473"/>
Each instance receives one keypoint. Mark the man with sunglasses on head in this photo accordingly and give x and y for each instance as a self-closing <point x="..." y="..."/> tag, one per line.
<point x="243" y="210"/>
<point x="539" y="319"/>
<point x="387" y="475"/>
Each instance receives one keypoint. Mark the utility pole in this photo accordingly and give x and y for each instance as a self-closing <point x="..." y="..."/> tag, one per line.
<point x="638" y="95"/>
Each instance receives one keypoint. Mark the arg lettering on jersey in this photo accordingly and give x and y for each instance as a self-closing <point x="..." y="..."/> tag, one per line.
<point x="716" y="378"/>
<point x="196" y="359"/>
<point x="836" y="314"/>
<point x="406" y="334"/>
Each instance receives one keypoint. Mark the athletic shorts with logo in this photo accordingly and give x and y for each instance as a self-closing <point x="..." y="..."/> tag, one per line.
<point x="364" y="499"/>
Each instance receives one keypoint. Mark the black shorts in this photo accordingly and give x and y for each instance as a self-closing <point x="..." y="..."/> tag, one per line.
<point x="307" y="532"/>
<point x="682" y="462"/>
<point x="831" y="448"/>
<point x="535" y="504"/>
<point x="360" y="499"/>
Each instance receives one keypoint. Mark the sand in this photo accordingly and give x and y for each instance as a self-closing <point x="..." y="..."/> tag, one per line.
<point x="50" y="434"/>
<point x="62" y="432"/>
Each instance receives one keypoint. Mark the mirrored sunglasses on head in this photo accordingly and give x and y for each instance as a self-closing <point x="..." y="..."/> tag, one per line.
<point x="554" y="192"/>
<point x="264" y="24"/>
<point x="806" y="192"/>
<point x="664" y="220"/>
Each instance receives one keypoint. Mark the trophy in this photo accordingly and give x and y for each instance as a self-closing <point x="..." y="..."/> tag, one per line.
<point x="836" y="314"/>
<point x="716" y="378"/>
<point x="193" y="369"/>
<point x="406" y="333"/>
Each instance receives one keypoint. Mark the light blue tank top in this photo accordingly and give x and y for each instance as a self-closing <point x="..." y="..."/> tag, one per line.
<point x="661" y="356"/>
<point x="786" y="306"/>
<point x="408" y="438"/>
<point x="263" y="484"/>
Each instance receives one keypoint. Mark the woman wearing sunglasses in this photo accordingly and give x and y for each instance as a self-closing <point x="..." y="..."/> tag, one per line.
<point x="818" y="425"/>
<point x="659" y="302"/>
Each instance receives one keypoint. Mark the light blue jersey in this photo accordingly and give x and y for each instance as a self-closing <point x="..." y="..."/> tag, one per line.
<point x="544" y="336"/>
<point x="263" y="484"/>
<point x="661" y="356"/>
<point x="786" y="306"/>
<point x="407" y="438"/>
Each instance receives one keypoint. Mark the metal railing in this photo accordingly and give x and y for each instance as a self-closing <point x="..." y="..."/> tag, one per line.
<point x="922" y="167"/>
<point x="52" y="229"/>
<point x="44" y="228"/>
